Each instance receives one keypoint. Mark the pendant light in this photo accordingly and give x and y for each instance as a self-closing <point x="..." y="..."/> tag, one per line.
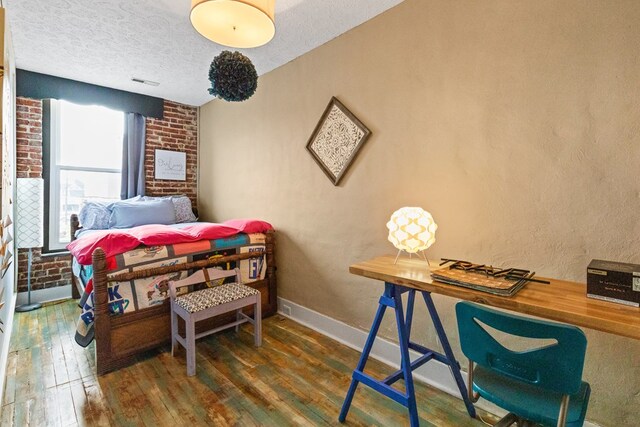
<point x="235" y="23"/>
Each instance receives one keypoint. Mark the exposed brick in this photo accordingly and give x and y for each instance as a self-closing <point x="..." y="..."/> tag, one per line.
<point x="177" y="132"/>
<point x="28" y="102"/>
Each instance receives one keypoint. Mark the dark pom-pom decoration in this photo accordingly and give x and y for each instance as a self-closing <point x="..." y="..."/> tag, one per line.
<point x="233" y="77"/>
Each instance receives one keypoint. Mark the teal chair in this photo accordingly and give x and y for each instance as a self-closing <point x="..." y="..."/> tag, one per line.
<point x="542" y="385"/>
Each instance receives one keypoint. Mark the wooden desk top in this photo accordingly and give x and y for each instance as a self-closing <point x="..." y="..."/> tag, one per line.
<point x="562" y="301"/>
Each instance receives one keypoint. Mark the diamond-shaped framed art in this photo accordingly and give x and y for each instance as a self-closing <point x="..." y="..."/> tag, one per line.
<point x="336" y="140"/>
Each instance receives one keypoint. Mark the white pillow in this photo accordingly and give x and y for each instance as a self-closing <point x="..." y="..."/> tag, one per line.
<point x="183" y="209"/>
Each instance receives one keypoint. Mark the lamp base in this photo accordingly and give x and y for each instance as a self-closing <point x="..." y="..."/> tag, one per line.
<point x="421" y="252"/>
<point x="28" y="307"/>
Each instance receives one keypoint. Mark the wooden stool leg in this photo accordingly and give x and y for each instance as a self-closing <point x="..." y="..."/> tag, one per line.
<point x="257" y="321"/>
<point x="174" y="331"/>
<point x="191" y="346"/>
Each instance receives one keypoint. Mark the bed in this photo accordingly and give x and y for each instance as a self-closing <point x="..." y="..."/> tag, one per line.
<point x="123" y="286"/>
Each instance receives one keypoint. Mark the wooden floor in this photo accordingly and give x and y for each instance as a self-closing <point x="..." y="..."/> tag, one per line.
<point x="297" y="377"/>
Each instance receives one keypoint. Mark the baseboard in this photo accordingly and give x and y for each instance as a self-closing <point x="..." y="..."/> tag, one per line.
<point x="45" y="295"/>
<point x="434" y="373"/>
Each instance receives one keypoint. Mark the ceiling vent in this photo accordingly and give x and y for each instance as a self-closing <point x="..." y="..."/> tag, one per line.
<point x="145" y="82"/>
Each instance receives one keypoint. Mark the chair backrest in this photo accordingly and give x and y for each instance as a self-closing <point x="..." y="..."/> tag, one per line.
<point x="199" y="277"/>
<point x="555" y="367"/>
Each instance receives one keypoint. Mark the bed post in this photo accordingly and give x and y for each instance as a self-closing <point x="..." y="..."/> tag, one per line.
<point x="75" y="226"/>
<point x="271" y="270"/>
<point x="102" y="320"/>
<point x="75" y="284"/>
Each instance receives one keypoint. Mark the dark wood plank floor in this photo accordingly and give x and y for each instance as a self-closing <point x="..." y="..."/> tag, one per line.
<point x="298" y="377"/>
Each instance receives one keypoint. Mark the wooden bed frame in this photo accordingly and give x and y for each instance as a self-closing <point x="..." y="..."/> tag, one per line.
<point x="119" y="338"/>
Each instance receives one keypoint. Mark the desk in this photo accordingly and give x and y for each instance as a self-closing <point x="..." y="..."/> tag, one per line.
<point x="560" y="301"/>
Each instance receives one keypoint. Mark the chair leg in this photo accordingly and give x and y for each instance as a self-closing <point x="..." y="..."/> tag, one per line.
<point x="174" y="332"/>
<point x="238" y="317"/>
<point x="191" y="346"/>
<point x="564" y="408"/>
<point x="257" y="321"/>
<point x="508" y="420"/>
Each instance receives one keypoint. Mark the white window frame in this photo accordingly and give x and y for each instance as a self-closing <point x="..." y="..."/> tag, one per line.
<point x="55" y="169"/>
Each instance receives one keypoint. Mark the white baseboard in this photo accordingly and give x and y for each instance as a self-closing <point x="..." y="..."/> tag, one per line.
<point x="434" y="373"/>
<point x="45" y="295"/>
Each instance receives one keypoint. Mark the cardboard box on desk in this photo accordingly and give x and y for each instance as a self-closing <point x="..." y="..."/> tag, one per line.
<point x="614" y="281"/>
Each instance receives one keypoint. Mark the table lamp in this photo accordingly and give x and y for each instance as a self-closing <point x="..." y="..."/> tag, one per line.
<point x="29" y="224"/>
<point x="411" y="230"/>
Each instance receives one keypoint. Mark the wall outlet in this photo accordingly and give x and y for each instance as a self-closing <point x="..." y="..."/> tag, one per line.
<point x="286" y="310"/>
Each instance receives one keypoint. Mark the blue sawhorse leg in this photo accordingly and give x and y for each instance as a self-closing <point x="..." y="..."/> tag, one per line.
<point x="392" y="298"/>
<point x="385" y="301"/>
<point x="449" y="357"/>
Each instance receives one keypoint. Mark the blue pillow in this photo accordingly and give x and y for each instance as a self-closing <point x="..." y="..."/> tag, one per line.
<point x="182" y="206"/>
<point x="127" y="214"/>
<point x="94" y="216"/>
<point x="131" y="200"/>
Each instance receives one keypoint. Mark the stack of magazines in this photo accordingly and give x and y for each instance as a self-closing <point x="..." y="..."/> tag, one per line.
<point x="505" y="282"/>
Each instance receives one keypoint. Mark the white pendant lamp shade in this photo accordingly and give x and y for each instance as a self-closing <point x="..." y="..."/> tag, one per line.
<point x="235" y="23"/>
<point x="412" y="229"/>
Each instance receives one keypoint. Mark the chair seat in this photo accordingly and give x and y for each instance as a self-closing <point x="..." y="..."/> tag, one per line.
<point x="194" y="302"/>
<point x="528" y="401"/>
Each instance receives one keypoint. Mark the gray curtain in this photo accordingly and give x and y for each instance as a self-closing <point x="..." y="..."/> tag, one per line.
<point x="133" y="156"/>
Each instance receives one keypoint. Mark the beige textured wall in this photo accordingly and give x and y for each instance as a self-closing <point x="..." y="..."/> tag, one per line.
<point x="515" y="123"/>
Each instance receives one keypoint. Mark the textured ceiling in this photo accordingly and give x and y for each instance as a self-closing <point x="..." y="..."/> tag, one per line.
<point x="109" y="42"/>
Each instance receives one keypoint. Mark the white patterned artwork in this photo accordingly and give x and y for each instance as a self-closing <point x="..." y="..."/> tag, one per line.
<point x="336" y="140"/>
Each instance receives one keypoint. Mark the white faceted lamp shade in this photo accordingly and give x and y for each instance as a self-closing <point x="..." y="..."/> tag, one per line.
<point x="235" y="23"/>
<point x="412" y="229"/>
<point x="29" y="213"/>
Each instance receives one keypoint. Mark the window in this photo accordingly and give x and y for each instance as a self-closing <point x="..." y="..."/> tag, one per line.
<point x="83" y="162"/>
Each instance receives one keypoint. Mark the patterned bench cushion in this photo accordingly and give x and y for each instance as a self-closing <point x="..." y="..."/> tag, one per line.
<point x="211" y="297"/>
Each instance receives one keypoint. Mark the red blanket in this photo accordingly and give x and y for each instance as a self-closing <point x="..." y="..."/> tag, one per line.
<point x="114" y="242"/>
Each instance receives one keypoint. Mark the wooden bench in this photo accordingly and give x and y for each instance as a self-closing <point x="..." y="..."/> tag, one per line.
<point x="209" y="302"/>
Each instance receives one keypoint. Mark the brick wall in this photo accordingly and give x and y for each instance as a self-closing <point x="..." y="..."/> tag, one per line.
<point x="177" y="131"/>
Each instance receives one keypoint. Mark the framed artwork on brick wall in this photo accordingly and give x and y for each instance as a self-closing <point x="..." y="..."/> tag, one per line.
<point x="171" y="165"/>
<point x="336" y="140"/>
